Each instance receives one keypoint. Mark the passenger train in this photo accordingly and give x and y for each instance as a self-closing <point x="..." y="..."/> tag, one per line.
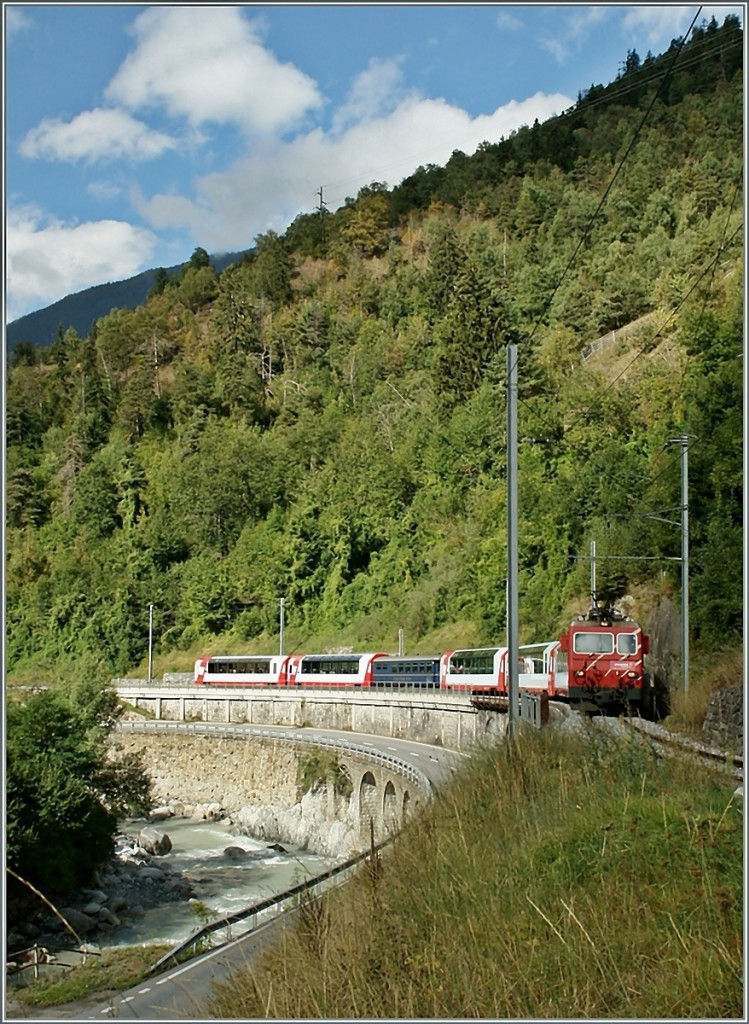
<point x="596" y="665"/>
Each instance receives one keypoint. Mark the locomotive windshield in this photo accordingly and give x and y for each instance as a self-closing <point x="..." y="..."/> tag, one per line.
<point x="593" y="643"/>
<point x="626" y="643"/>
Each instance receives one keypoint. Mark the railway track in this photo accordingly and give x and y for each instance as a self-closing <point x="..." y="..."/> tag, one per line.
<point x="700" y="753"/>
<point x="661" y="738"/>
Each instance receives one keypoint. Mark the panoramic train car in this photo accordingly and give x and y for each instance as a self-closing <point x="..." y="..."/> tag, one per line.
<point x="401" y="672"/>
<point x="543" y="669"/>
<point x="242" y="670"/>
<point x="339" y="670"/>
<point x="605" y="666"/>
<point x="484" y="671"/>
<point x="479" y="670"/>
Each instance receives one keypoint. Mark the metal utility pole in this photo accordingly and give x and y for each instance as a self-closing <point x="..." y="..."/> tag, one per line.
<point x="593" y="597"/>
<point x="400" y="642"/>
<point x="283" y="606"/>
<point x="512" y="539"/>
<point x="150" y="643"/>
<point x="684" y="442"/>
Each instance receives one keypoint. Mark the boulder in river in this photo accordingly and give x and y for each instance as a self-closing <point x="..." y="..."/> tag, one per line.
<point x="154" y="842"/>
<point x="235" y="852"/>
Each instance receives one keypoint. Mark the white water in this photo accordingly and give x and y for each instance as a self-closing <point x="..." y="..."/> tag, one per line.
<point x="221" y="885"/>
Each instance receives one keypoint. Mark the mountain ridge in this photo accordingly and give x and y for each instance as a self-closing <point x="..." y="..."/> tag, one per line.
<point x="80" y="310"/>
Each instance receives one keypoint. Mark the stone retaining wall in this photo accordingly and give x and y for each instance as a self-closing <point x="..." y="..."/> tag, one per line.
<point x="252" y="783"/>
<point x="724" y="722"/>
<point x="229" y="772"/>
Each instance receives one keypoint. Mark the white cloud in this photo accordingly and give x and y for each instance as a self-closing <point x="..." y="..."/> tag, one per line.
<point x="509" y="22"/>
<point x="95" y="135"/>
<point x="654" y="23"/>
<point x="48" y="259"/>
<point x="574" y="32"/>
<point x="659" y="24"/>
<point x="103" y="191"/>
<point x="649" y="25"/>
<point x="267" y="191"/>
<point x="207" y="64"/>
<point x="374" y="91"/>
<point x="15" y="21"/>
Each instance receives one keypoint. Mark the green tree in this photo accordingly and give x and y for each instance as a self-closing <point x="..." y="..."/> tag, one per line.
<point x="64" y="794"/>
<point x="366" y="228"/>
<point x="198" y="287"/>
<point x="272" y="269"/>
<point x="446" y="261"/>
<point x="161" y="281"/>
<point x="476" y="328"/>
<point x="199" y="259"/>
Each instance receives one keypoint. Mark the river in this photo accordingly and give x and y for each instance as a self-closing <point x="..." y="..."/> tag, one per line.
<point x="221" y="884"/>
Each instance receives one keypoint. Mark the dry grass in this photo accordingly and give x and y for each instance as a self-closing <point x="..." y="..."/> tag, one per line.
<point x="566" y="876"/>
<point x="709" y="674"/>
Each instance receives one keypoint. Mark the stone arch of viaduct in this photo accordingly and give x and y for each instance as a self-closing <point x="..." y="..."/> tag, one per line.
<point x="381" y="800"/>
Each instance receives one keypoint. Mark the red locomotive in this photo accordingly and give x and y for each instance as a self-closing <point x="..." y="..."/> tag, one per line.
<point x="605" y="668"/>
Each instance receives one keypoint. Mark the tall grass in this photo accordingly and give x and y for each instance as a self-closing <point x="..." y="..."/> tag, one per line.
<point x="561" y="875"/>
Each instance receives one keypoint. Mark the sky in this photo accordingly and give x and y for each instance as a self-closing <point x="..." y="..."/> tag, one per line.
<point x="135" y="134"/>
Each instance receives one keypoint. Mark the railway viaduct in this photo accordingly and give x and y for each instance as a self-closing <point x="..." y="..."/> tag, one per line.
<point x="197" y="744"/>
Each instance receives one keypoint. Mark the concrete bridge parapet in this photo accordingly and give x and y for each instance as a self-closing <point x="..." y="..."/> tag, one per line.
<point x="444" y="720"/>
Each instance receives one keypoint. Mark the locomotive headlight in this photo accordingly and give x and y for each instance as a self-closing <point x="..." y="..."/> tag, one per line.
<point x="579" y="674"/>
<point x="631" y="675"/>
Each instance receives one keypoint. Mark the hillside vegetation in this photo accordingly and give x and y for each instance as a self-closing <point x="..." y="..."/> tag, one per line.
<point x="324" y="421"/>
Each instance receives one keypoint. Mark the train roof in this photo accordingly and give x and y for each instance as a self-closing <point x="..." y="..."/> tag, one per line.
<point x="340" y="657"/>
<point x="240" y="657"/>
<point x="478" y="650"/>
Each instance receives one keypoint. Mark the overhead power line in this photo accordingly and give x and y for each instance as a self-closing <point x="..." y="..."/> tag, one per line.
<point x="586" y="233"/>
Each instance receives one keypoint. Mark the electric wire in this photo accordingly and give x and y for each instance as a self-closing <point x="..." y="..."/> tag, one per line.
<point x="630" y="82"/>
<point x="604" y="197"/>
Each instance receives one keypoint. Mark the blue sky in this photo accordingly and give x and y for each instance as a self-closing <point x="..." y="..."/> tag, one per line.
<point x="134" y="134"/>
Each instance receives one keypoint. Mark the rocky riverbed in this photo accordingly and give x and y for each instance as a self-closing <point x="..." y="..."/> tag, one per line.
<point x="150" y="891"/>
<point x="134" y="880"/>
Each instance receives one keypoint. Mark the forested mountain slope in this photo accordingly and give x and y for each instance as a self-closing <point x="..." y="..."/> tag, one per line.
<point x="324" y="421"/>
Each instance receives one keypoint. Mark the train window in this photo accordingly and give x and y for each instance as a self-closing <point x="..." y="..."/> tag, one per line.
<point x="626" y="643"/>
<point x="474" y="664"/>
<point x="247" y="665"/>
<point x="593" y="643"/>
<point x="341" y="666"/>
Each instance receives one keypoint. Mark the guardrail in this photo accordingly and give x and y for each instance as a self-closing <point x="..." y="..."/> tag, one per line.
<point x="394" y="764"/>
<point x="270" y="903"/>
